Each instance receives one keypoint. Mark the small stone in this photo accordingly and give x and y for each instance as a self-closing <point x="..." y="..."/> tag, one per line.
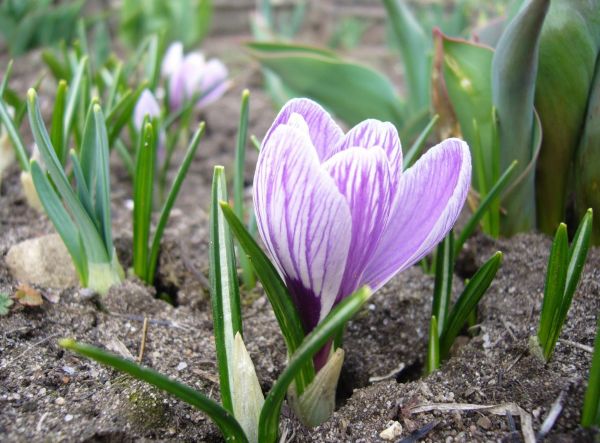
<point x="42" y="261"/>
<point x="68" y="370"/>
<point x="59" y="401"/>
<point x="484" y="423"/>
<point x="181" y="366"/>
<point x="68" y="418"/>
<point x="393" y="431"/>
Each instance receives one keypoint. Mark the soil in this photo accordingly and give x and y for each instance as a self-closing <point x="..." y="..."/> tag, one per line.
<point x="48" y="394"/>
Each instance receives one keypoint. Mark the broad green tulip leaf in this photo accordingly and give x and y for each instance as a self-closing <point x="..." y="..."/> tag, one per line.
<point x="587" y="179"/>
<point x="415" y="47"/>
<point x="466" y="73"/>
<point x="337" y="84"/>
<point x="514" y="69"/>
<point x="569" y="51"/>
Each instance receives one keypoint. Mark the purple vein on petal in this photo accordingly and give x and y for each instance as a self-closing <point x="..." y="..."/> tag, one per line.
<point x="363" y="177"/>
<point x="303" y="220"/>
<point x="325" y="134"/>
<point x="430" y="197"/>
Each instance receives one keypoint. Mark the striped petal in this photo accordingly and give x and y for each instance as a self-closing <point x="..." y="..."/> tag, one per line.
<point x="363" y="177"/>
<point x="214" y="82"/>
<point x="325" y="134"/>
<point x="303" y="220"/>
<point x="430" y="197"/>
<point x="371" y="133"/>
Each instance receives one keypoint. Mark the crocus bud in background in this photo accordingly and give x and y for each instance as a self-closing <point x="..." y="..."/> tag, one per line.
<point x="192" y="76"/>
<point x="147" y="105"/>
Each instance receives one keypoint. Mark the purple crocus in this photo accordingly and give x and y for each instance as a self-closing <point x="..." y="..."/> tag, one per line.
<point x="336" y="211"/>
<point x="191" y="75"/>
<point x="147" y="105"/>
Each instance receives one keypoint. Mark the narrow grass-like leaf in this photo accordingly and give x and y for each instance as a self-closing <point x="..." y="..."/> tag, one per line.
<point x="72" y="98"/>
<point x="484" y="206"/>
<point x="238" y="183"/>
<point x="83" y="192"/>
<point x="165" y="212"/>
<point x="442" y="290"/>
<point x="276" y="291"/>
<point x="222" y="418"/>
<point x="556" y="276"/>
<point x="577" y="256"/>
<point x="417" y="146"/>
<point x="433" y="347"/>
<point x="467" y="301"/>
<point x="5" y="78"/>
<point x="61" y="219"/>
<point x="590" y="415"/>
<point x="125" y="156"/>
<point x="225" y="294"/>
<point x="15" y="138"/>
<point x="95" y="248"/>
<point x="113" y="86"/>
<point x="58" y="123"/>
<point x="142" y="199"/>
<point x="120" y="114"/>
<point x="255" y="142"/>
<point x="323" y="332"/>
<point x="58" y="69"/>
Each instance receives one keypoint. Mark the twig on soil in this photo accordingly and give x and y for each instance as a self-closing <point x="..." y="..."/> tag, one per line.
<point x="502" y="409"/>
<point x="38" y="427"/>
<point x="552" y="416"/>
<point x="581" y="346"/>
<point x="143" y="343"/>
<point x="284" y="438"/>
<point x="417" y="435"/>
<point x="44" y="340"/>
<point x="516" y="360"/>
<point x="390" y="374"/>
<point x="513" y="428"/>
<point x="166" y="323"/>
<point x="507" y="325"/>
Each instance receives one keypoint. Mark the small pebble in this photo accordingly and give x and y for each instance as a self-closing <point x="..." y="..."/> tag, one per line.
<point x="68" y="370"/>
<point x="484" y="423"/>
<point x="181" y="366"/>
<point x="68" y="418"/>
<point x="59" y="401"/>
<point x="393" y="430"/>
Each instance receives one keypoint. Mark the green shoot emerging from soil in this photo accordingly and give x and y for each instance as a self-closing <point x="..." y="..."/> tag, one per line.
<point x="565" y="265"/>
<point x="590" y="416"/>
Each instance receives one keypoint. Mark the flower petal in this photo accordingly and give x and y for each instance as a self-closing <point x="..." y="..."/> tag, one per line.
<point x="363" y="177"/>
<point x="303" y="220"/>
<point x="214" y="82"/>
<point x="146" y="105"/>
<point x="325" y="134"/>
<point x="172" y="59"/>
<point x="371" y="133"/>
<point x="429" y="199"/>
<point x="185" y="81"/>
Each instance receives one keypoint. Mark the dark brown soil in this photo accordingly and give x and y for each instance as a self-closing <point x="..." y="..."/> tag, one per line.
<point x="48" y="394"/>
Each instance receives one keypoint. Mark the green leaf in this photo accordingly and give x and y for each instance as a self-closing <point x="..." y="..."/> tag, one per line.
<point x="514" y="70"/>
<point x="328" y="80"/>
<point x="442" y="290"/>
<point x="225" y="296"/>
<point x="238" y="184"/>
<point x="57" y="128"/>
<point x="433" y="348"/>
<point x="467" y="301"/>
<point x="556" y="276"/>
<point x="590" y="415"/>
<point x="569" y="51"/>
<point x="121" y="113"/>
<point x="587" y="159"/>
<point x="5" y="303"/>
<point x="276" y="291"/>
<point x="415" y="45"/>
<point x="59" y="70"/>
<point x="14" y="136"/>
<point x="61" y="220"/>
<point x="323" y="332"/>
<point x="417" y="146"/>
<point x="483" y="207"/>
<point x="222" y="418"/>
<point x="577" y="256"/>
<point x="142" y="199"/>
<point x="165" y="212"/>
<point x="72" y="98"/>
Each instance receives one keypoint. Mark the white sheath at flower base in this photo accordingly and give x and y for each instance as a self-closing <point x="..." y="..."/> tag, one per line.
<point x="247" y="396"/>
<point x="7" y="153"/>
<point x="317" y="402"/>
<point x="31" y="194"/>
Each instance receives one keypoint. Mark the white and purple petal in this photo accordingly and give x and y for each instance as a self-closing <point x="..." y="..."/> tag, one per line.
<point x="146" y="105"/>
<point x="214" y="82"/>
<point x="430" y="197"/>
<point x="370" y="133"/>
<point x="363" y="177"/>
<point x="172" y="60"/>
<point x="325" y="134"/>
<point x="303" y="220"/>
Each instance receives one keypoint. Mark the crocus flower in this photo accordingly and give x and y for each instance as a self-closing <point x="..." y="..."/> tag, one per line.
<point x="147" y="105"/>
<point x="336" y="211"/>
<point x="192" y="75"/>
